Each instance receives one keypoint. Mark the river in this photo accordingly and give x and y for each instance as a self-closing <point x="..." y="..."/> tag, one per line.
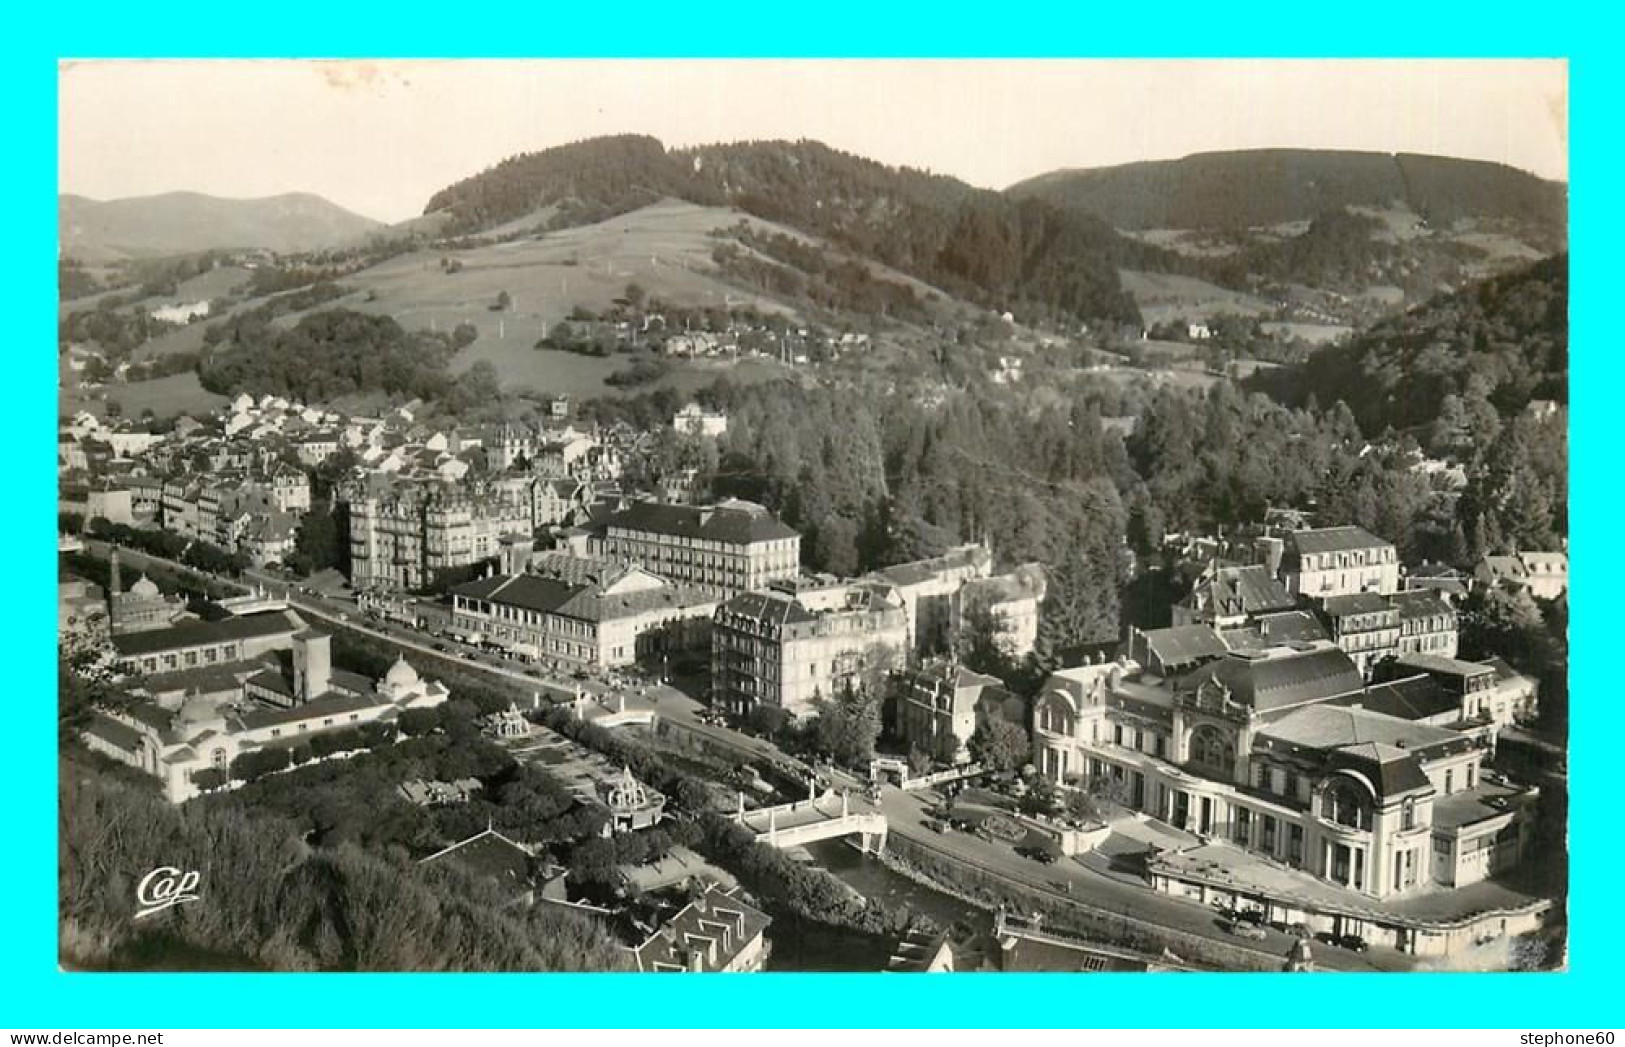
<point x="802" y="946"/>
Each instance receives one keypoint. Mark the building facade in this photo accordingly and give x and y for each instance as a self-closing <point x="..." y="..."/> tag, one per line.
<point x="1365" y="625"/>
<point x="789" y="644"/>
<point x="402" y="535"/>
<point x="727" y="548"/>
<point x="928" y="589"/>
<point x="940" y="706"/>
<point x="1263" y="750"/>
<point x="1338" y="561"/>
<point x="609" y="617"/>
<point x="1009" y="602"/>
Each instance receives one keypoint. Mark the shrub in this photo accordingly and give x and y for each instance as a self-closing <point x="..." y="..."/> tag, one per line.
<point x="256" y="764"/>
<point x="209" y="778"/>
<point x="416" y="722"/>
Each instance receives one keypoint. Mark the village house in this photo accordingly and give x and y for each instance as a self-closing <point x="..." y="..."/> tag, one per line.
<point x="1544" y="574"/>
<point x="694" y="420"/>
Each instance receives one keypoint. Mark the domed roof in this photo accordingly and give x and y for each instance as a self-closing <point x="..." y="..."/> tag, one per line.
<point x="401" y="674"/>
<point x="144" y="586"/>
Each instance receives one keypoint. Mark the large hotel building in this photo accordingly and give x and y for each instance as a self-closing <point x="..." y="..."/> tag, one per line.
<point x="727" y="548"/>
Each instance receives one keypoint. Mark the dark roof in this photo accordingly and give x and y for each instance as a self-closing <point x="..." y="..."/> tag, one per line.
<point x="1420" y="603"/>
<point x="1272" y="630"/>
<point x="1332" y="726"/>
<point x="773" y="607"/>
<point x="222" y="676"/>
<point x="198" y="634"/>
<point x="119" y="734"/>
<point x="1246" y="590"/>
<point x="1280" y="677"/>
<point x="1442" y="666"/>
<point x="1333" y="540"/>
<point x="587" y="602"/>
<point x="1353" y="603"/>
<point x="529" y="591"/>
<point x="346" y="680"/>
<point x="1183" y="644"/>
<point x="1291" y="627"/>
<point x="1503" y="671"/>
<point x="489" y="854"/>
<point x="1392" y="770"/>
<point x="1413" y="698"/>
<point x="272" y="680"/>
<point x="733" y="522"/>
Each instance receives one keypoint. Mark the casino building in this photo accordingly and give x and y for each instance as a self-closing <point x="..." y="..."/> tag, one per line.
<point x="1272" y="751"/>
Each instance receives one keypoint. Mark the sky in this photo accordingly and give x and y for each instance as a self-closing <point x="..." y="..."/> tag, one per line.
<point x="379" y="138"/>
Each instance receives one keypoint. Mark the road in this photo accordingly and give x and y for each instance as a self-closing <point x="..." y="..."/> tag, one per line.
<point x="905" y="811"/>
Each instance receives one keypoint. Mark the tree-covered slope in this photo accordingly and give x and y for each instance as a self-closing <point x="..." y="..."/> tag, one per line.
<point x="1263" y="187"/>
<point x="1503" y="341"/>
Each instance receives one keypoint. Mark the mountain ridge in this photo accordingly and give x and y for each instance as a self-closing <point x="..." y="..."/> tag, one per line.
<point x="1262" y="187"/>
<point x="186" y="221"/>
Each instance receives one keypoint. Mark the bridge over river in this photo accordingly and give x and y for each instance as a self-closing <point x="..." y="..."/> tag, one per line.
<point x="823" y="817"/>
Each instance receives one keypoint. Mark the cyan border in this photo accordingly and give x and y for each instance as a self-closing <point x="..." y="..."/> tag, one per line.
<point x="34" y="994"/>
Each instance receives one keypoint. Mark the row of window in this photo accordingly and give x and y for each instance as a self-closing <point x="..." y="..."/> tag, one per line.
<point x="276" y="732"/>
<point x="174" y="660"/>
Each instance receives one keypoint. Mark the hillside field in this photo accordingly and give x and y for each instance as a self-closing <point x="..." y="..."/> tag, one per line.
<point x="1163" y="297"/>
<point x="176" y="394"/>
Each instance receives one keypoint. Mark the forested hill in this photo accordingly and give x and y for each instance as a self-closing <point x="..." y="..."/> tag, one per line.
<point x="1504" y="341"/>
<point x="1266" y="187"/>
<point x="580" y="183"/>
<point x="973" y="243"/>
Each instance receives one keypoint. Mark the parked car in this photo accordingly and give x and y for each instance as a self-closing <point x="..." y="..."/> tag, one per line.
<point x="1252" y="916"/>
<point x="1243" y="929"/>
<point x="1041" y="855"/>
<point x="1353" y="943"/>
